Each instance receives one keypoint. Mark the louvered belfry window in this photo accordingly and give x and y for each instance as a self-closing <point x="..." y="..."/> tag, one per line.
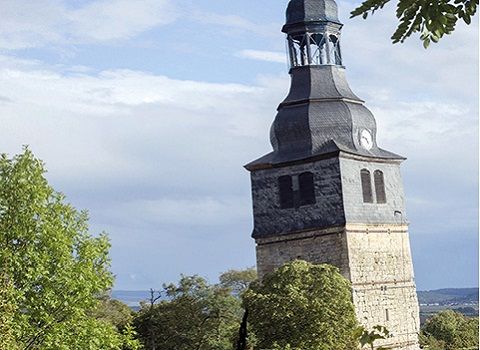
<point x="379" y="186"/>
<point x="307" y="188"/>
<point x="366" y="186"/>
<point x="286" y="191"/>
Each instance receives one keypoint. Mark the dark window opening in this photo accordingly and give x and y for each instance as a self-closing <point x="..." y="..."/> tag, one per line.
<point x="307" y="188"/>
<point x="296" y="191"/>
<point x="286" y="191"/>
<point x="366" y="186"/>
<point x="379" y="186"/>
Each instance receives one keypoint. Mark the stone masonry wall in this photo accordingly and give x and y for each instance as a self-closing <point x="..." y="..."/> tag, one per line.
<point x="381" y="273"/>
<point x="318" y="246"/>
<point x="375" y="258"/>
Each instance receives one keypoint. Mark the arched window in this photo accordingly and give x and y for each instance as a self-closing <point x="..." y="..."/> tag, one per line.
<point x="366" y="186"/>
<point x="286" y="191"/>
<point x="307" y="188"/>
<point x="379" y="186"/>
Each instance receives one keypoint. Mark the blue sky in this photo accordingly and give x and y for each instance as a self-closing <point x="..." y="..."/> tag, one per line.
<point x="145" y="112"/>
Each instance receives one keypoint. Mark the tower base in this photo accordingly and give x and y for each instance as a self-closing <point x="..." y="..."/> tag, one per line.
<point x="377" y="261"/>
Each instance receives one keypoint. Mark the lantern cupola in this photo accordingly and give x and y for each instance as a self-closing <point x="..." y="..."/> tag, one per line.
<point x="313" y="33"/>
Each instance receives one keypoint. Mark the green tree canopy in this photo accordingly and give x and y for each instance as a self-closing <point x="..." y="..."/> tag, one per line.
<point x="113" y="311"/>
<point x="238" y="280"/>
<point x="450" y="330"/>
<point x="52" y="269"/>
<point x="432" y="19"/>
<point x="302" y="306"/>
<point x="192" y="315"/>
<point x="7" y="313"/>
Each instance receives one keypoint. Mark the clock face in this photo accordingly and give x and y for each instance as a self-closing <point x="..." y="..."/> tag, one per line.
<point x="366" y="139"/>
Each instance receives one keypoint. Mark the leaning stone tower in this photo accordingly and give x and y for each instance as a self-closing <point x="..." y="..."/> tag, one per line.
<point x="327" y="193"/>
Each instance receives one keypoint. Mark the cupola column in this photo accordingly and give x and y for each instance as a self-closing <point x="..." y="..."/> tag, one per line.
<point x="314" y="48"/>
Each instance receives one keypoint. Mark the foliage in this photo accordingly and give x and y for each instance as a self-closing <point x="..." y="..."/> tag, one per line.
<point x="451" y="330"/>
<point x="7" y="312"/>
<point x="302" y="306"/>
<point x="114" y="312"/>
<point x="238" y="280"/>
<point x="430" y="343"/>
<point x="432" y="18"/>
<point x="191" y="315"/>
<point x="366" y="337"/>
<point x="89" y="333"/>
<point x="52" y="268"/>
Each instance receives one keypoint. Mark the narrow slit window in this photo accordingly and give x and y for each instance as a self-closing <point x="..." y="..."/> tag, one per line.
<point x="366" y="186"/>
<point x="286" y="191"/>
<point x="379" y="186"/>
<point x="307" y="188"/>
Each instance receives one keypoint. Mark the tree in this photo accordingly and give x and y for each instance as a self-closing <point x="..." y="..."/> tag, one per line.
<point x="302" y="306"/>
<point x="113" y="311"/>
<point x="451" y="330"/>
<point x="7" y="313"/>
<point x="238" y="280"/>
<point x="52" y="268"/>
<point x="433" y="19"/>
<point x="192" y="315"/>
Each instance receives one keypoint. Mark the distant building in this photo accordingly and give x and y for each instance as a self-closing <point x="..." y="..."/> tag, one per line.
<point x="327" y="193"/>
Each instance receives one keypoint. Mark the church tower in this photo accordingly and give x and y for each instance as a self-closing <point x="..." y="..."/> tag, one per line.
<point x="327" y="193"/>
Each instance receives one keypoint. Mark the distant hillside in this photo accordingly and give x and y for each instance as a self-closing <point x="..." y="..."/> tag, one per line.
<point x="448" y="296"/>
<point x="131" y="297"/>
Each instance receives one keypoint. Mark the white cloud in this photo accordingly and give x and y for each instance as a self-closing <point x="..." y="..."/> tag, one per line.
<point x="152" y="156"/>
<point x="234" y="22"/>
<point x="44" y="23"/>
<point x="182" y="212"/>
<point x="122" y="126"/>
<point x="189" y="122"/>
<point x="104" y="20"/>
<point x="446" y="71"/>
<point x="268" y="56"/>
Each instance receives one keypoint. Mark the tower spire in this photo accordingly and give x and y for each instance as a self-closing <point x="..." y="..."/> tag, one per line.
<point x="320" y="115"/>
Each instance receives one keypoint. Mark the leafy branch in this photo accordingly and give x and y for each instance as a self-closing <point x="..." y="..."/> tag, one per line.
<point x="366" y="337"/>
<point x="431" y="18"/>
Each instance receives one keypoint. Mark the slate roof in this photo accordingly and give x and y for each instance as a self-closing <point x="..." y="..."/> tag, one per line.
<point x="329" y="149"/>
<point x="321" y="115"/>
<point x="311" y="11"/>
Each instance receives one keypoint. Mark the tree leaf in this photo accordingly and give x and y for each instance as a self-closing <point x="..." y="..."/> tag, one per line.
<point x="426" y="43"/>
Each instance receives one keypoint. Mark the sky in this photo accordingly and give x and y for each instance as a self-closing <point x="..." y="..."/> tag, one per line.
<point x="145" y="112"/>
